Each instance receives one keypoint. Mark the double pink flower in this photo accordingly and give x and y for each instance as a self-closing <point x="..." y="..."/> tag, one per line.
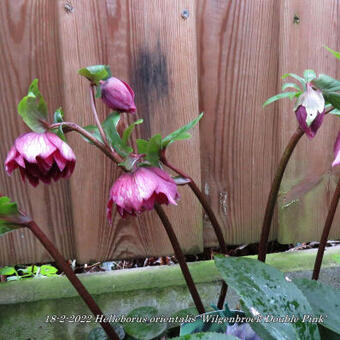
<point x="40" y="156"/>
<point x="137" y="191"/>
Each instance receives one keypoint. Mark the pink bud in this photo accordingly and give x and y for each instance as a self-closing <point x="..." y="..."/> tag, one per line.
<point x="40" y="156"/>
<point x="137" y="191"/>
<point x="310" y="111"/>
<point x="118" y="95"/>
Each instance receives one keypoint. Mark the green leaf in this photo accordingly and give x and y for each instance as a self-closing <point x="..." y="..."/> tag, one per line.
<point x="181" y="133"/>
<point x="8" y="271"/>
<point x="98" y="91"/>
<point x="48" y="270"/>
<point x="144" y="330"/>
<point x="154" y="149"/>
<point x="96" y="73"/>
<point x="7" y="207"/>
<point x="142" y="145"/>
<point x="27" y="272"/>
<point x="264" y="290"/>
<point x="32" y="108"/>
<point x="110" y="129"/>
<point x="335" y="53"/>
<point x="112" y="135"/>
<point x="206" y="336"/>
<point x="289" y="95"/>
<point x="9" y="214"/>
<point x="325" y="301"/>
<point x="285" y="86"/>
<point x="327" y="84"/>
<point x="301" y="80"/>
<point x="58" y="117"/>
<point x="182" y="315"/>
<point x="93" y="130"/>
<point x="127" y="132"/>
<point x="309" y="75"/>
<point x="5" y="228"/>
<point x="333" y="98"/>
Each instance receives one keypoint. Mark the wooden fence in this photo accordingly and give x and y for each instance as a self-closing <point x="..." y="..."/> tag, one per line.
<point x="225" y="59"/>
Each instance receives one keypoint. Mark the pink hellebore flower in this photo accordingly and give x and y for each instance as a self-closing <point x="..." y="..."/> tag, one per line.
<point x="40" y="156"/>
<point x="137" y="191"/>
<point x="310" y="110"/>
<point x="118" y="95"/>
<point x="337" y="151"/>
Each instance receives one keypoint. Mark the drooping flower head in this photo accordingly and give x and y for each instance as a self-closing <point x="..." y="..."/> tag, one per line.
<point x="137" y="191"/>
<point x="310" y="110"/>
<point x="118" y="95"/>
<point x="337" y="151"/>
<point x="40" y="156"/>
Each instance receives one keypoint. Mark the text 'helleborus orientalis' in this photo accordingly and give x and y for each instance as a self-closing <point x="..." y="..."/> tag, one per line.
<point x="118" y="95"/>
<point x="137" y="191"/>
<point x="310" y="110"/>
<point x="40" y="156"/>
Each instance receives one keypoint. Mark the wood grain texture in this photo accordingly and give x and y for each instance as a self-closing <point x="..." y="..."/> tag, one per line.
<point x="29" y="45"/>
<point x="156" y="54"/>
<point x="164" y="74"/>
<point x="225" y="59"/>
<point x="309" y="182"/>
<point x="238" y="62"/>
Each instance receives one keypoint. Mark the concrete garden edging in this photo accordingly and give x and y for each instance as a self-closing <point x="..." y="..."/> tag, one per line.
<point x="24" y="305"/>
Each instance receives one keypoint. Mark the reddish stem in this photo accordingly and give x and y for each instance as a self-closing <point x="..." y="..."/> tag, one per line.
<point x="181" y="259"/>
<point x="274" y="192"/>
<point x="206" y="206"/>
<point x="325" y="232"/>
<point x="70" y="126"/>
<point x="96" y="118"/>
<point x="62" y="264"/>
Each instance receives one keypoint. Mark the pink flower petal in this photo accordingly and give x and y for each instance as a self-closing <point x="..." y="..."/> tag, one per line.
<point x="64" y="149"/>
<point x="32" y="144"/>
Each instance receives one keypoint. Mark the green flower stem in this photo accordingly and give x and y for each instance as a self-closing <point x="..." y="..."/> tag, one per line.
<point x="325" y="232"/>
<point x="217" y="228"/>
<point x="95" y="114"/>
<point x="69" y="126"/>
<point x="274" y="192"/>
<point x="62" y="264"/>
<point x="181" y="259"/>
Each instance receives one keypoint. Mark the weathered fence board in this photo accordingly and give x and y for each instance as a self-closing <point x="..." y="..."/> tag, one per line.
<point x="238" y="53"/>
<point x="29" y="41"/>
<point x="309" y="182"/>
<point x="225" y="59"/>
<point x="136" y="46"/>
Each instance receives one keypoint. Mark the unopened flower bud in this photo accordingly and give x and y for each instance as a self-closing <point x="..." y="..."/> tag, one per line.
<point x="118" y="95"/>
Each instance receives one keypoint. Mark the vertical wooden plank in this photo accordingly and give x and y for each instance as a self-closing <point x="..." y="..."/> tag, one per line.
<point x="136" y="39"/>
<point x="93" y="33"/>
<point x="238" y="61"/>
<point x="29" y="45"/>
<point x="164" y="73"/>
<point x="309" y="182"/>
